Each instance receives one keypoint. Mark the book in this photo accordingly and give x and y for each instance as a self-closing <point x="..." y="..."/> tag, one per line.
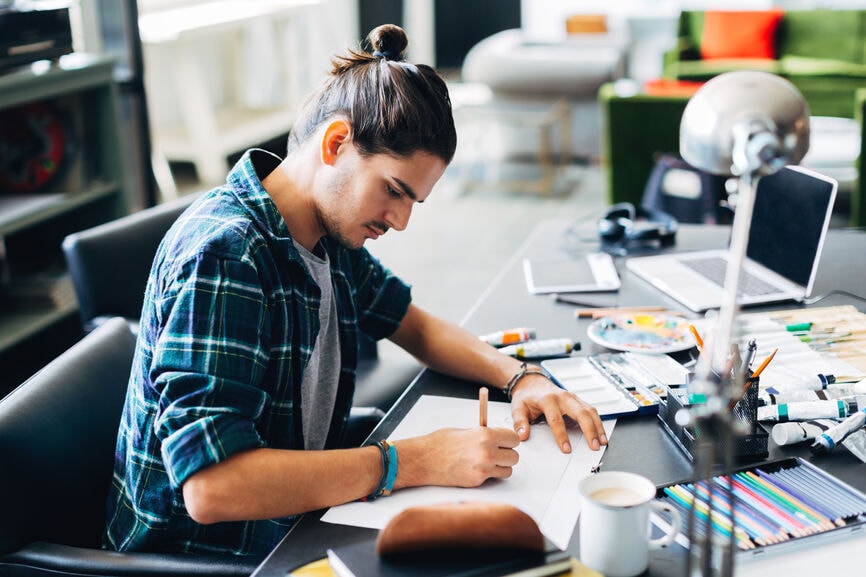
<point x="361" y="560"/>
<point x="49" y="288"/>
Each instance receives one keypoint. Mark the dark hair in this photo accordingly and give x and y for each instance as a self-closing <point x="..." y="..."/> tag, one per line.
<point x="394" y="106"/>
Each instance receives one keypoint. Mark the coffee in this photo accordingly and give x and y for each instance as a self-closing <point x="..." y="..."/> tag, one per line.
<point x="616" y="533"/>
<point x="617" y="497"/>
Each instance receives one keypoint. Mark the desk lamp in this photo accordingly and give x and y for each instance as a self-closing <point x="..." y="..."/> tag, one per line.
<point x="744" y="124"/>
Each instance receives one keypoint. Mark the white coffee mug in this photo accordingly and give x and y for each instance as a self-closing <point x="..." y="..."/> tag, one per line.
<point x="615" y="523"/>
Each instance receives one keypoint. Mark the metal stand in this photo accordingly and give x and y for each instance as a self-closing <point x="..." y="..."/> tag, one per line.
<point x="719" y="379"/>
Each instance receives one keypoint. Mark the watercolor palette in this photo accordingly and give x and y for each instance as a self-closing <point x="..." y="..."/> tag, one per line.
<point x="617" y="384"/>
<point x="642" y="332"/>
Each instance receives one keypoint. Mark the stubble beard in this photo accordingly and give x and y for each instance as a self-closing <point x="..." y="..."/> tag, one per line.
<point x="336" y="194"/>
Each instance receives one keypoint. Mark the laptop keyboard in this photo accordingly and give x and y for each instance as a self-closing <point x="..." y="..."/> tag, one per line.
<point x="714" y="269"/>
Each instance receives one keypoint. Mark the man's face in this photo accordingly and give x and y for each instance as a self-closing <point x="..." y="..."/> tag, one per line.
<point x="364" y="196"/>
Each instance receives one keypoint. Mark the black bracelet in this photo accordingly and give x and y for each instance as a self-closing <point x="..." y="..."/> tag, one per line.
<point x="524" y="370"/>
<point x="383" y="451"/>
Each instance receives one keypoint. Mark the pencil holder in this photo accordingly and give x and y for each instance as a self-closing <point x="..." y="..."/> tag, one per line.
<point x="746" y="408"/>
<point x="751" y="445"/>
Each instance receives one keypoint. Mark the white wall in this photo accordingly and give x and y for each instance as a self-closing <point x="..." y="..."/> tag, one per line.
<point x="418" y="17"/>
<point x="649" y="24"/>
<point x="545" y="17"/>
<point x="247" y="65"/>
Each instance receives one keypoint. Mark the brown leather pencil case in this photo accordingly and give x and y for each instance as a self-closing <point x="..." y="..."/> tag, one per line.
<point x="465" y="525"/>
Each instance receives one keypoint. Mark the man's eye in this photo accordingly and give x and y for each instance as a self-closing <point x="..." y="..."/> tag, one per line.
<point x="393" y="192"/>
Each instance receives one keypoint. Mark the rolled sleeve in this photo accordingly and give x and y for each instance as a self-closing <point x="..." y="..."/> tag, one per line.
<point x="205" y="442"/>
<point x="213" y="326"/>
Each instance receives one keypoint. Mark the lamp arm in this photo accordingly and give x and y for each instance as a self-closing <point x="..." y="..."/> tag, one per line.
<point x="747" y="124"/>
<point x="712" y="365"/>
<point x="747" y="185"/>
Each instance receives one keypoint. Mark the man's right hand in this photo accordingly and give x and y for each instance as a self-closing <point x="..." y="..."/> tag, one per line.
<point x="456" y="457"/>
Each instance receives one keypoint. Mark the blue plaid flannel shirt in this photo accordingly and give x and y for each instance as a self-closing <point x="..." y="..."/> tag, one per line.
<point x="229" y="322"/>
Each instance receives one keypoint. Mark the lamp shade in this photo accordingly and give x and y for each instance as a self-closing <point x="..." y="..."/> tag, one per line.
<point x="745" y="123"/>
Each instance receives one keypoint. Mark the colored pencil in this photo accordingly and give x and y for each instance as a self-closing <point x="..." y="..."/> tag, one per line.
<point x="764" y="364"/>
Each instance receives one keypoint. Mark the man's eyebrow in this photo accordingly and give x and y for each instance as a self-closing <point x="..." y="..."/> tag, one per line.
<point x="407" y="190"/>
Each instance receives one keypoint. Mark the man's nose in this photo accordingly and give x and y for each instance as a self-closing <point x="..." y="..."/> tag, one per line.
<point x="398" y="217"/>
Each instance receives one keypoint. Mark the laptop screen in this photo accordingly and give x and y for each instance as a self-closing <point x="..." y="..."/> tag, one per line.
<point x="791" y="214"/>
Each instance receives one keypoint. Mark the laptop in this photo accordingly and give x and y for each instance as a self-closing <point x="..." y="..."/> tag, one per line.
<point x="789" y="223"/>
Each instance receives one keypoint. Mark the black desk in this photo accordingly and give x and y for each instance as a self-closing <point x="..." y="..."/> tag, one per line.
<point x="638" y="444"/>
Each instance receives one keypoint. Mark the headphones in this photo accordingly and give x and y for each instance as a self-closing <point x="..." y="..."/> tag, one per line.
<point x="624" y="224"/>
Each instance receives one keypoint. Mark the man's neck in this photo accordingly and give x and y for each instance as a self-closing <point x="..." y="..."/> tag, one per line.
<point x="286" y="186"/>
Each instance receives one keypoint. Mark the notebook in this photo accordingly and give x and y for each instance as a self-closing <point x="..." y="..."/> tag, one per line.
<point x="789" y="224"/>
<point x="361" y="560"/>
<point x="594" y="272"/>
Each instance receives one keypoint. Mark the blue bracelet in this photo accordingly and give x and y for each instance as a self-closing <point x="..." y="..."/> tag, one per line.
<point x="392" y="468"/>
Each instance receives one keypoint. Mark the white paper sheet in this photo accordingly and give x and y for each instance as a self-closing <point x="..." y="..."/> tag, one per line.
<point x="543" y="484"/>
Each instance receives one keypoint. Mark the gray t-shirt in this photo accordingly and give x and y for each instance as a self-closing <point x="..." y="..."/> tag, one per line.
<point x="321" y="376"/>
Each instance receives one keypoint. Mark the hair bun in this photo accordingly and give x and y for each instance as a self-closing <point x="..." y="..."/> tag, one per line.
<point x="388" y="41"/>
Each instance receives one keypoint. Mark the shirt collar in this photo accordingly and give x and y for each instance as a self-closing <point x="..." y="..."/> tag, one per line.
<point x="245" y="180"/>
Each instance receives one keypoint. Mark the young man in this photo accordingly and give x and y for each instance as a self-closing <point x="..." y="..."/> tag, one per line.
<point x="244" y="371"/>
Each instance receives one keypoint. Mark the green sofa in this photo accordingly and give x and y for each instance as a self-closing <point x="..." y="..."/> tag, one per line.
<point x="636" y="127"/>
<point x="822" y="52"/>
<point x="858" y="206"/>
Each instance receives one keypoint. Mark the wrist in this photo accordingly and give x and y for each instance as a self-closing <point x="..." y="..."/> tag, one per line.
<point x="414" y="463"/>
<point x="388" y="456"/>
<point x="521" y="375"/>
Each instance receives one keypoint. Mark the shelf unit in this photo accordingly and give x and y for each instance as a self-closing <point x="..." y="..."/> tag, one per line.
<point x="200" y="114"/>
<point x="88" y="190"/>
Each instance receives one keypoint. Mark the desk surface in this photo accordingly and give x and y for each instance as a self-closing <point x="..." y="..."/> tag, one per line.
<point x="638" y="444"/>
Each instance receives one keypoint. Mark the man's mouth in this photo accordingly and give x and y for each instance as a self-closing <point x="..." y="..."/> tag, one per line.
<point x="376" y="230"/>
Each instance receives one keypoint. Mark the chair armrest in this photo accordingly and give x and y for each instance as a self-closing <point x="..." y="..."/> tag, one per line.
<point x="682" y="51"/>
<point x="63" y="560"/>
<point x="362" y="421"/>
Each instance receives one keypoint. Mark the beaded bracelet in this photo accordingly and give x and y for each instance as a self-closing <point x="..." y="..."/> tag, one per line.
<point x="515" y="378"/>
<point x="388" y="453"/>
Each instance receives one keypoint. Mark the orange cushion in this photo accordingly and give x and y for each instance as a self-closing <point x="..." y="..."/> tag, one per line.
<point x="673" y="88"/>
<point x="746" y="34"/>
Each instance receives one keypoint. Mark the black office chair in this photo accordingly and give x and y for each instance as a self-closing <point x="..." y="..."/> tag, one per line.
<point x="686" y="193"/>
<point x="57" y="437"/>
<point x="109" y="263"/>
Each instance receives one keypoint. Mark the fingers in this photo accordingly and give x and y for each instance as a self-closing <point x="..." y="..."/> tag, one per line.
<point x="466" y="457"/>
<point x="503" y="438"/>
<point x="520" y="418"/>
<point x="589" y="422"/>
<point x="553" y="410"/>
<point x="497" y="454"/>
<point x="554" y="406"/>
<point x="586" y="417"/>
<point x="502" y="459"/>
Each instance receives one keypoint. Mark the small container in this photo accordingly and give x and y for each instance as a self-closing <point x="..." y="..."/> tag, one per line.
<point x="749" y="446"/>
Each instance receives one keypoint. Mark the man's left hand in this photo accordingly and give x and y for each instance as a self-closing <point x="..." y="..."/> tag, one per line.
<point x="536" y="396"/>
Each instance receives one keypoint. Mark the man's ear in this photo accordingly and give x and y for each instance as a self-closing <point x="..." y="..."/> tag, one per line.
<point x="337" y="133"/>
